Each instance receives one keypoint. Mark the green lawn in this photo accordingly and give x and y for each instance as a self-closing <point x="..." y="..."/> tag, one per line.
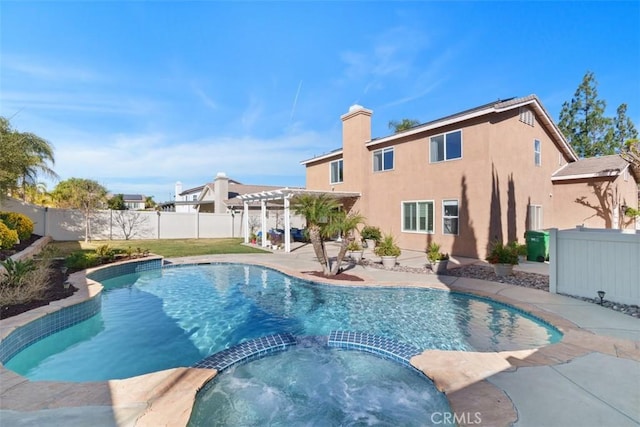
<point x="169" y="248"/>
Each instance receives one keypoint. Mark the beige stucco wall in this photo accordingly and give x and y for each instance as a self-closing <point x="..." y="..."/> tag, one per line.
<point x="591" y="203"/>
<point x="494" y="182"/>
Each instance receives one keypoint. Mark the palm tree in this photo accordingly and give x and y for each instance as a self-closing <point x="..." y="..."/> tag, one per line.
<point x="345" y="225"/>
<point x="325" y="219"/>
<point x="38" y="154"/>
<point x="404" y="124"/>
<point x="317" y="210"/>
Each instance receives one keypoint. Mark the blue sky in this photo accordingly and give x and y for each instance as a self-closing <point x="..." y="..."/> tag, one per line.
<point x="138" y="95"/>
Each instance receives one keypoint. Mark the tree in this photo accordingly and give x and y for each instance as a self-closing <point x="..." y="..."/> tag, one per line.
<point x="587" y="129"/>
<point x="129" y="222"/>
<point x="24" y="156"/>
<point x="83" y="194"/>
<point x="116" y="203"/>
<point x="149" y="203"/>
<point x="325" y="219"/>
<point x="402" y="125"/>
<point x="631" y="153"/>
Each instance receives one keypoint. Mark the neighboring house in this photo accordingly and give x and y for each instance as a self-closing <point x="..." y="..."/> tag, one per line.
<point x="134" y="202"/>
<point x="464" y="180"/>
<point x="595" y="192"/>
<point x="219" y="196"/>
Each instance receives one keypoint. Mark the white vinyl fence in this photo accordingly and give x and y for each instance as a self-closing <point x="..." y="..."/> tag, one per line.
<point x="67" y="224"/>
<point x="584" y="261"/>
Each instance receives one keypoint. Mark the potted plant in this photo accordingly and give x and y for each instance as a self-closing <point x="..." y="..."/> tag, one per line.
<point x="388" y="251"/>
<point x="371" y="235"/>
<point x="355" y="250"/>
<point x="521" y="250"/>
<point x="503" y="257"/>
<point x="253" y="238"/>
<point x="437" y="259"/>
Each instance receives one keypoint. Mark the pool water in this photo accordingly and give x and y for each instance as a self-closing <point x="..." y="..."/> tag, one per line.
<point x="320" y="387"/>
<point x="173" y="317"/>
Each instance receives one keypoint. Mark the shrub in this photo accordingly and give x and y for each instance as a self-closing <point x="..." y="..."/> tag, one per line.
<point x="354" y="246"/>
<point x="81" y="260"/>
<point x="8" y="237"/>
<point x="387" y="247"/>
<point x="15" y="271"/>
<point x="434" y="254"/>
<point x="370" y="232"/>
<point x="105" y="253"/>
<point x="24" y="281"/>
<point x="503" y="254"/>
<point x="22" y="224"/>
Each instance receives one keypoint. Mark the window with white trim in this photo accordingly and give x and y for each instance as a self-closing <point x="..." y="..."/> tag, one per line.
<point x="447" y="146"/>
<point x="383" y="159"/>
<point x="336" y="171"/>
<point x="194" y="197"/>
<point x="535" y="217"/>
<point x="450" y="217"/>
<point x="417" y="216"/>
<point x="537" y="152"/>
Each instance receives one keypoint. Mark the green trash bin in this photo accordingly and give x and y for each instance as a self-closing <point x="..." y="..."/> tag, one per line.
<point x="537" y="245"/>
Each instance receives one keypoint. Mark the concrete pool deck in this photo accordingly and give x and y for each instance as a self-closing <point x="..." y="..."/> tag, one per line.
<point x="590" y="378"/>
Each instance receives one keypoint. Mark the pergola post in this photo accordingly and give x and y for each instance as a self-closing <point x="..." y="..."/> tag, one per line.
<point x="287" y="226"/>
<point x="245" y="221"/>
<point x="263" y="221"/>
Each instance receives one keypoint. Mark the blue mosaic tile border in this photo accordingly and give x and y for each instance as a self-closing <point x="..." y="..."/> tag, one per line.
<point x="112" y="271"/>
<point x="247" y="351"/>
<point x="47" y="325"/>
<point x="375" y="344"/>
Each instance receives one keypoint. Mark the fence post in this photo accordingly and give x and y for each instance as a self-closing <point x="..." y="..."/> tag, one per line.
<point x="553" y="260"/>
<point x="158" y="212"/>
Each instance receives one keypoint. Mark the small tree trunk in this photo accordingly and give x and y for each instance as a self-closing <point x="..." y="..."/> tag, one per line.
<point x="341" y="253"/>
<point x="318" y="248"/>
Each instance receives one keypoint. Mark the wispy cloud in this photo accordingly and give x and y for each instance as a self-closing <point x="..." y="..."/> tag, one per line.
<point x="49" y="70"/>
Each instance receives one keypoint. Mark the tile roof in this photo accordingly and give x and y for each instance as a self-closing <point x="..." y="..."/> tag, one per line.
<point x="612" y="165"/>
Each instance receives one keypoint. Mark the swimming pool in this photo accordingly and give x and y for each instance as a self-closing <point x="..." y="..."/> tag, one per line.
<point x="172" y="317"/>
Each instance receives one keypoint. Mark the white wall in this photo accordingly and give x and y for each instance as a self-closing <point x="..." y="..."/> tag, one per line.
<point x="584" y="261"/>
<point x="67" y="224"/>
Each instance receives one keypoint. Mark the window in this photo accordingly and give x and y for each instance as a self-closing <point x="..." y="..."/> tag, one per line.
<point x="446" y="147"/>
<point x="526" y="116"/>
<point x="194" y="197"/>
<point x="336" y="171"/>
<point x="417" y="216"/>
<point x="450" y="217"/>
<point x="536" y="152"/>
<point x="383" y="159"/>
<point x="535" y="217"/>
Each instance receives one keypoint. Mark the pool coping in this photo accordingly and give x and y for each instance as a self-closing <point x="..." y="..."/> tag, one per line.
<point x="143" y="400"/>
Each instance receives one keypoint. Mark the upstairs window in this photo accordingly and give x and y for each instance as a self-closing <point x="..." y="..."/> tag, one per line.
<point x="536" y="152"/>
<point x="336" y="172"/>
<point x="383" y="159"/>
<point x="445" y="147"/>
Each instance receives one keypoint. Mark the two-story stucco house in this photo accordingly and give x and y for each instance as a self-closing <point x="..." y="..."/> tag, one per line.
<point x="491" y="172"/>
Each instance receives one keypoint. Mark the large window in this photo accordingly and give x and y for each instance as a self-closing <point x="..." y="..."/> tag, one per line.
<point x="535" y="217"/>
<point x="417" y="216"/>
<point x="447" y="146"/>
<point x="537" y="152"/>
<point x="336" y="172"/>
<point x="383" y="159"/>
<point x="450" y="217"/>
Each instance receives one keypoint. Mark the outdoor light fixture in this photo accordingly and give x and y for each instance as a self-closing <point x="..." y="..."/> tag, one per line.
<point x="601" y="295"/>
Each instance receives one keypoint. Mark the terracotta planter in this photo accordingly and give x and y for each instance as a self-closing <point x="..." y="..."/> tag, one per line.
<point x="439" y="267"/>
<point x="503" y="269"/>
<point x="389" y="261"/>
